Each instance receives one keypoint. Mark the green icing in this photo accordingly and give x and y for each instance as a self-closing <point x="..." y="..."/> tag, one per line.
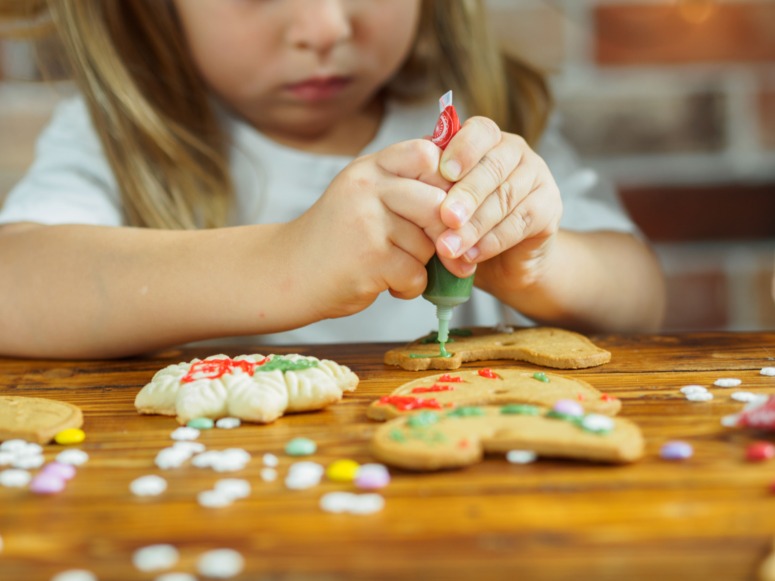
<point x="284" y="364"/>
<point x="566" y="417"/>
<point x="422" y="419"/>
<point x="434" y="336"/>
<point x="465" y="412"/>
<point x="541" y="376"/>
<point x="521" y="409"/>
<point x="397" y="435"/>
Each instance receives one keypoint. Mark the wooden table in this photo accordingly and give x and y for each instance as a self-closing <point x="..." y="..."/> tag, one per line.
<point x="711" y="517"/>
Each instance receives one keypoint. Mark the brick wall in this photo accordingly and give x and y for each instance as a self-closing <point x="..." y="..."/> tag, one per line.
<point x="674" y="99"/>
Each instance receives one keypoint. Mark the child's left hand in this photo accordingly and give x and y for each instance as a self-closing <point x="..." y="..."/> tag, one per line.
<point x="504" y="202"/>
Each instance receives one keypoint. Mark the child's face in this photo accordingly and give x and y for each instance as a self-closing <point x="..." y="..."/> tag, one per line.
<point x="297" y="68"/>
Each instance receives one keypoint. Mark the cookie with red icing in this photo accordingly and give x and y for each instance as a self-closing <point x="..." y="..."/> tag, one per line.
<point x="545" y="346"/>
<point x="476" y="387"/>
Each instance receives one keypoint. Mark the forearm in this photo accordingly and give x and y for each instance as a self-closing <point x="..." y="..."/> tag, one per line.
<point x="593" y="282"/>
<point x="84" y="291"/>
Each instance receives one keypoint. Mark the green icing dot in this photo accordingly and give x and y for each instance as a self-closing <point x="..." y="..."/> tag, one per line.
<point x="541" y="376"/>
<point x="466" y="412"/>
<point x="422" y="419"/>
<point x="200" y="423"/>
<point x="566" y="417"/>
<point x="286" y="364"/>
<point x="300" y="447"/>
<point x="521" y="409"/>
<point x="397" y="435"/>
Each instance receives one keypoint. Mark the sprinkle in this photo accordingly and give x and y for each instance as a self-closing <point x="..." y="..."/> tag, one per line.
<point x="768" y="371"/>
<point x="213" y="499"/>
<point x="568" y="407"/>
<point x="74" y="575"/>
<point x="372" y="476"/>
<point x="233" y="488"/>
<point x="748" y="397"/>
<point x="15" y="478"/>
<point x="63" y="471"/>
<point x="488" y="373"/>
<point x="150" y="485"/>
<point x="270" y="460"/>
<point x="155" y="557"/>
<point x="6" y="458"/>
<point x="521" y="456"/>
<point x="760" y="451"/>
<point x="185" y="433"/>
<point x="47" y="483"/>
<point x="693" y="389"/>
<point x="200" y="423"/>
<point x="228" y="423"/>
<point x="676" y="450"/>
<point x="730" y="421"/>
<point x="70" y="436"/>
<point x="14" y="445"/>
<point x="349" y="502"/>
<point x="541" y="376"/>
<point x="72" y="456"/>
<point x="268" y="474"/>
<point x="303" y="475"/>
<point x="175" y="577"/>
<point x="220" y="563"/>
<point x="172" y="457"/>
<point x="189" y="448"/>
<point x="727" y="382"/>
<point x="597" y="423"/>
<point x="300" y="447"/>
<point x="342" y="470"/>
<point x="28" y="462"/>
<point x="706" y="396"/>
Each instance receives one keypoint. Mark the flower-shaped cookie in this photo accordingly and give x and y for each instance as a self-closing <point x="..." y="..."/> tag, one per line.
<point x="255" y="388"/>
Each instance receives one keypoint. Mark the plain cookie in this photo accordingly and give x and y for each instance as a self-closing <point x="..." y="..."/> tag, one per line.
<point x="428" y="440"/>
<point x="36" y="419"/>
<point x="473" y="387"/>
<point x="546" y="346"/>
<point x="255" y="388"/>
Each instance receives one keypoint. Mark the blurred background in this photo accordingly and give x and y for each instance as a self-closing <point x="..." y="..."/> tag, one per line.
<point x="673" y="99"/>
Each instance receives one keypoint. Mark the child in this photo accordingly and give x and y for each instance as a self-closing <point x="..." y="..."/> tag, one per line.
<point x="243" y="167"/>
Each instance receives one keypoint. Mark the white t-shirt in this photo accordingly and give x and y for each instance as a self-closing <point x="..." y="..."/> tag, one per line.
<point x="70" y="182"/>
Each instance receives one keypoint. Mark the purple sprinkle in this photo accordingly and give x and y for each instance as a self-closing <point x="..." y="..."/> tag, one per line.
<point x="372" y="476"/>
<point x="676" y="450"/>
<point x="47" y="483"/>
<point x="63" y="471"/>
<point x="568" y="407"/>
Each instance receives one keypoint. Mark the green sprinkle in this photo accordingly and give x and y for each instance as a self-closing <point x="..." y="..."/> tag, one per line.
<point x="286" y="364"/>
<point x="541" y="376"/>
<point x="466" y="412"/>
<point x="566" y="417"/>
<point x="300" y="447"/>
<point x="521" y="409"/>
<point x="200" y="423"/>
<point x="397" y="435"/>
<point x="422" y="419"/>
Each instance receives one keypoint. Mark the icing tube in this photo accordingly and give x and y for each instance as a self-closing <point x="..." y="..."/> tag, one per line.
<point x="444" y="289"/>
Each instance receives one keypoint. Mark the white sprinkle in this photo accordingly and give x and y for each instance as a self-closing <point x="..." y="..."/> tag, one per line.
<point x="303" y="475"/>
<point x="521" y="456"/>
<point x="689" y="389"/>
<point x="220" y="563"/>
<point x="15" y="478"/>
<point x="6" y="457"/>
<point x="268" y="474"/>
<point x="707" y="396"/>
<point x="271" y="460"/>
<point x="348" y="502"/>
<point x="233" y="488"/>
<point x="730" y="421"/>
<point x="75" y="575"/>
<point x="768" y="371"/>
<point x="747" y="396"/>
<point x="727" y="382"/>
<point x="228" y="423"/>
<point x="155" y="557"/>
<point x="171" y="458"/>
<point x="175" y="577"/>
<point x="150" y="485"/>
<point x="72" y="456"/>
<point x="28" y="462"/>
<point x="231" y="460"/>
<point x="29" y="449"/>
<point x="13" y="445"/>
<point x="190" y="448"/>
<point x="597" y="423"/>
<point x="185" y="433"/>
<point x="213" y="499"/>
<point x="205" y="459"/>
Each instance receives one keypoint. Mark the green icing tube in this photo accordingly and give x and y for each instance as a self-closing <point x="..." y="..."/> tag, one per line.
<point x="445" y="291"/>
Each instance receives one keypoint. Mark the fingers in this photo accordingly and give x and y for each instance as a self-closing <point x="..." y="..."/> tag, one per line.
<point x="416" y="159"/>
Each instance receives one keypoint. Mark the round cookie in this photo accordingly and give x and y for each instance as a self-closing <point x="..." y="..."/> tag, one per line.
<point x="471" y="387"/>
<point x="254" y="388"/>
<point x="36" y="419"/>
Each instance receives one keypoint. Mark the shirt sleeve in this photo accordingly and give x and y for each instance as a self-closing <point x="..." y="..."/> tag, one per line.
<point x="590" y="201"/>
<point x="70" y="181"/>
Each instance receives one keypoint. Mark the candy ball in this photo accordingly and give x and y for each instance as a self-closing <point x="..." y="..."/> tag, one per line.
<point x="676" y="450"/>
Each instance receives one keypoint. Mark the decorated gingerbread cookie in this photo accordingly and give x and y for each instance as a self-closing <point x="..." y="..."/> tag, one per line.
<point x="431" y="440"/>
<point x="473" y="387"/>
<point x="36" y="419"/>
<point x="546" y="346"/>
<point x="254" y="388"/>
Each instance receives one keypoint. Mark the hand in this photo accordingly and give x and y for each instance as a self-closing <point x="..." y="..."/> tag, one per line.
<point x="372" y="230"/>
<point x="504" y="203"/>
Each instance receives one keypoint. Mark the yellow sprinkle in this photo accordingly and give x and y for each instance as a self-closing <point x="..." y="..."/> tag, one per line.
<point x="70" y="436"/>
<point x="342" y="470"/>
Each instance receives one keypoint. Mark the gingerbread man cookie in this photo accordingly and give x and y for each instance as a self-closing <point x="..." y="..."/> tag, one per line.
<point x="254" y="388"/>
<point x="547" y="346"/>
<point x="473" y="387"/>
<point x="429" y="440"/>
<point x="36" y="419"/>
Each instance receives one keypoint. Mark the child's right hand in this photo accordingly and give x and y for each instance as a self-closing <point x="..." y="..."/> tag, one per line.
<point x="372" y="230"/>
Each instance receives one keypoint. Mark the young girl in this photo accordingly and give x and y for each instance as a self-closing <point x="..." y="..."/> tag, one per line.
<point x="236" y="167"/>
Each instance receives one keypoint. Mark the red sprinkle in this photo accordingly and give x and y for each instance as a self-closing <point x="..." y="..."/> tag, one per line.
<point x="580" y="396"/>
<point x="447" y="378"/>
<point x="606" y="397"/>
<point x="406" y="403"/>
<point x="760" y="451"/>
<point x="433" y="388"/>
<point x="464" y="443"/>
<point x="488" y="373"/>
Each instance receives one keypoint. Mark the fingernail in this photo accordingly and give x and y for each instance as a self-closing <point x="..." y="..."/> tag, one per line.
<point x="453" y="243"/>
<point x="450" y="169"/>
<point x="459" y="210"/>
<point x="472" y="254"/>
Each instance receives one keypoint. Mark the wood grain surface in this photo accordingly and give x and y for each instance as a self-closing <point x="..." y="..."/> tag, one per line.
<point x="710" y="517"/>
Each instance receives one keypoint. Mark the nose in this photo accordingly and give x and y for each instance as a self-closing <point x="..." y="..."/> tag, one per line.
<point x="319" y="25"/>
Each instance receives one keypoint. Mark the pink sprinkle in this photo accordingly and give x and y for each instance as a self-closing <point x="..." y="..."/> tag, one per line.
<point x="63" y="471"/>
<point x="47" y="483"/>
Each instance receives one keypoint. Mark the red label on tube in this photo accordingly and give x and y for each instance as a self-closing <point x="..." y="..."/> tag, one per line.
<point x="448" y="123"/>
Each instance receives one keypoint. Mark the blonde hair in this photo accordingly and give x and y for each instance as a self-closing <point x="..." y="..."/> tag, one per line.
<point x="154" y="116"/>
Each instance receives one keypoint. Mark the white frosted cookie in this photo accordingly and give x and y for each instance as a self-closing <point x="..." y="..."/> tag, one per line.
<point x="254" y="388"/>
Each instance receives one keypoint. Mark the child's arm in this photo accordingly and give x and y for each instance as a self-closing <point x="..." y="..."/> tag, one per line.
<point x="503" y="214"/>
<point x="75" y="291"/>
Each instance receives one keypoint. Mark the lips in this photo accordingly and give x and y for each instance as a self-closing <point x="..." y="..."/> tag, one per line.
<point x="319" y="88"/>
